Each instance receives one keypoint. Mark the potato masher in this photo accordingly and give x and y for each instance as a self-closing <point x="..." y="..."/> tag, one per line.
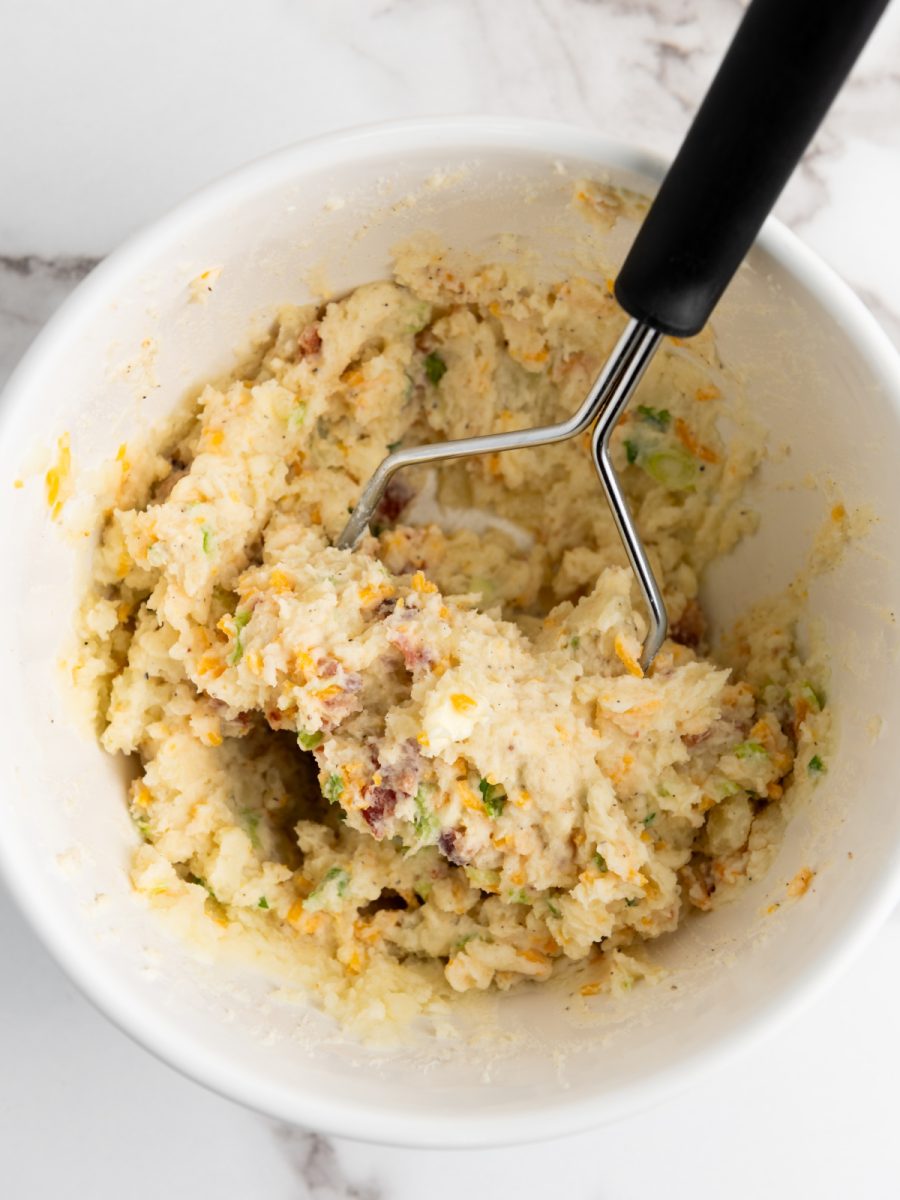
<point x="784" y="67"/>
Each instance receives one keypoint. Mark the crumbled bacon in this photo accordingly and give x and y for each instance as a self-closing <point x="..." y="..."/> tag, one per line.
<point x="309" y="342"/>
<point x="397" y="495"/>
<point x="415" y="655"/>
<point x="404" y="774"/>
<point x="448" y="846"/>
<point x="690" y="627"/>
<point x="381" y="802"/>
<point x="694" y="739"/>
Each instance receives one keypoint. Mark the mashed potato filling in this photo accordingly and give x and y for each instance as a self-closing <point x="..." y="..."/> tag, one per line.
<point x="437" y="757"/>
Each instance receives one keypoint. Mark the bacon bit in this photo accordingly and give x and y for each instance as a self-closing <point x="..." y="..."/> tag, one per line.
<point x="799" y="885"/>
<point x="689" y="440"/>
<point x="838" y="514"/>
<point x="461" y="702"/>
<point x="447" y="844"/>
<point x="708" y="392"/>
<point x="280" y="581"/>
<point x="397" y="495"/>
<point x="381" y="802"/>
<point x="631" y="665"/>
<point x="309" y="342"/>
<point x="690" y="627"/>
<point x="590" y="989"/>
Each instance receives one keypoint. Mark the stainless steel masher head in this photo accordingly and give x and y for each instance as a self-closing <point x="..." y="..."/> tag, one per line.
<point x="784" y="67"/>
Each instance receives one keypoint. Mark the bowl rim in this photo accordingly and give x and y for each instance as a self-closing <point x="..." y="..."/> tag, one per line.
<point x="83" y="962"/>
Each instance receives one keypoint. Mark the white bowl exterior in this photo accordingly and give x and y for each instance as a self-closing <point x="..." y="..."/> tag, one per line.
<point x="823" y="379"/>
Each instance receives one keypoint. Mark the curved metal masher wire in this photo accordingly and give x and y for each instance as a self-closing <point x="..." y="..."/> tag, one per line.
<point x="604" y="403"/>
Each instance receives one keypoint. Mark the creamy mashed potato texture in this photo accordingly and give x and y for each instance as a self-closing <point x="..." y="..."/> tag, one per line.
<point x="434" y="763"/>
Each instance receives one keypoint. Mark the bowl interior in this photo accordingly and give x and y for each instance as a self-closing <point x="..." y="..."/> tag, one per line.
<point x="127" y="348"/>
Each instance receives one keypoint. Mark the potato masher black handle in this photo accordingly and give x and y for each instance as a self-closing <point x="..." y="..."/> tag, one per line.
<point x="785" y="66"/>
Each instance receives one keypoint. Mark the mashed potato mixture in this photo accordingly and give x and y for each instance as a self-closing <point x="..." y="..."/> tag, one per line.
<point x="436" y="760"/>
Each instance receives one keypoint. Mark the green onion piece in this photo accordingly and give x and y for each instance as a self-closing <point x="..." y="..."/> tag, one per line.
<point x="631" y="450"/>
<point x="519" y="896"/>
<point x="575" y="642"/>
<point x="435" y="368"/>
<point x="209" y="540"/>
<point x="392" y="446"/>
<point x="309" y="741"/>
<point x="815" y="766"/>
<point x="749" y="750"/>
<point x="251" y="823"/>
<point x="814" y="697"/>
<point x="201" y="882"/>
<point x="298" y="413"/>
<point x="600" y="863"/>
<point x="263" y="902"/>
<point x="424" y="822"/>
<point x="336" y="876"/>
<point x="334" y="785"/>
<point x="649" y="819"/>
<point x="422" y="888"/>
<point x="659" y="418"/>
<point x="240" y="620"/>
<point x="632" y="902"/>
<point x="673" y="467"/>
<point x="554" y="909"/>
<point x="493" y="797"/>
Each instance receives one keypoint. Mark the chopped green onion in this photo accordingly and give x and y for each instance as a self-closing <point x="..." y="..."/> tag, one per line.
<point x="749" y="750"/>
<point x="263" y="902"/>
<point x="334" y="785"/>
<point x="337" y="876"/>
<point x="600" y="863"/>
<point x="392" y="446"/>
<point x="466" y="937"/>
<point x="422" y="888"/>
<point x="435" y="368"/>
<point x="673" y="467"/>
<point x="199" y="881"/>
<point x="554" y="908"/>
<point x="575" y="642"/>
<point x="632" y="902"/>
<point x="519" y="896"/>
<point x="309" y="741"/>
<point x="424" y="822"/>
<point x="649" y="819"/>
<point x="813" y="696"/>
<point x="209" y="540"/>
<point x="631" y="450"/>
<point x="493" y="796"/>
<point x="726" y="787"/>
<point x="240" y="620"/>
<point x="659" y="418"/>
<point x="297" y="414"/>
<point x="251" y="822"/>
<point x="815" y="766"/>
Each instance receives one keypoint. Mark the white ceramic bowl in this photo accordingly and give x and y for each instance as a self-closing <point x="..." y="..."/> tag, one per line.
<point x="823" y="378"/>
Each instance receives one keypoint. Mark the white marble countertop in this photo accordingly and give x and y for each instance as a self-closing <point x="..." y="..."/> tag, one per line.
<point x="112" y="112"/>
